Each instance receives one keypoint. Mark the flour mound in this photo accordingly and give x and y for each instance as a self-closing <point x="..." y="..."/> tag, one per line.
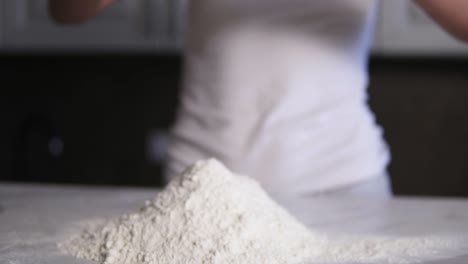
<point x="209" y="215"/>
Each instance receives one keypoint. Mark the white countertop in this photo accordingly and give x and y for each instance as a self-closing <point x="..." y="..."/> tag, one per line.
<point x="34" y="218"/>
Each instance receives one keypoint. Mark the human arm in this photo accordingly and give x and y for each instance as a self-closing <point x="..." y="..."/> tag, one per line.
<point x="452" y="15"/>
<point x="76" y="11"/>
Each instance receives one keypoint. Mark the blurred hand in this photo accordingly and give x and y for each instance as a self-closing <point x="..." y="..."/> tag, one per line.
<point x="76" y="11"/>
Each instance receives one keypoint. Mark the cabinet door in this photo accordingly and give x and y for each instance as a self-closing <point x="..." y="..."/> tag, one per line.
<point x="2" y="2"/>
<point x="178" y="27"/>
<point x="2" y="14"/>
<point x="127" y="24"/>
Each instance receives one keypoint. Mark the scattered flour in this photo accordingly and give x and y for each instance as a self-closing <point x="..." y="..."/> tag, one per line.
<point x="209" y="215"/>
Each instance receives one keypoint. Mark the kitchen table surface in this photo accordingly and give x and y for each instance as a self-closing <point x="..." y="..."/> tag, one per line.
<point x="34" y="218"/>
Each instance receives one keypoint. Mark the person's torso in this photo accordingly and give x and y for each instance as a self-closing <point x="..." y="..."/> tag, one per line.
<point x="277" y="90"/>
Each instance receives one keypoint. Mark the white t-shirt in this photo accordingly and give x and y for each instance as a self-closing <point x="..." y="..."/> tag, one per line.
<point x="276" y="89"/>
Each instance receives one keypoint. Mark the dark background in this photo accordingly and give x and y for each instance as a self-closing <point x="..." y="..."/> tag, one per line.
<point x="104" y="108"/>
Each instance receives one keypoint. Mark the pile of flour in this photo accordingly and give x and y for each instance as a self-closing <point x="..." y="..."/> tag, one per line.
<point x="209" y="215"/>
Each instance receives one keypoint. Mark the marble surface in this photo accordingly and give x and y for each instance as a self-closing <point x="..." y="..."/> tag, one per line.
<point x="34" y="218"/>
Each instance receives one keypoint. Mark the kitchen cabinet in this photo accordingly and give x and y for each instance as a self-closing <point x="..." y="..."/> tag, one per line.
<point x="90" y="120"/>
<point x="143" y="25"/>
<point x="1" y="23"/>
<point x="159" y="25"/>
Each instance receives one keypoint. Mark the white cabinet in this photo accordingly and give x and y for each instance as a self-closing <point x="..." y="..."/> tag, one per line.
<point x="1" y="22"/>
<point x="179" y="29"/>
<point x="405" y="29"/>
<point x="126" y="25"/>
<point x="159" y="25"/>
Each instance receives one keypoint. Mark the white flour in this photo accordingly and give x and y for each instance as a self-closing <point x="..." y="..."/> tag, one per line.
<point x="208" y="215"/>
